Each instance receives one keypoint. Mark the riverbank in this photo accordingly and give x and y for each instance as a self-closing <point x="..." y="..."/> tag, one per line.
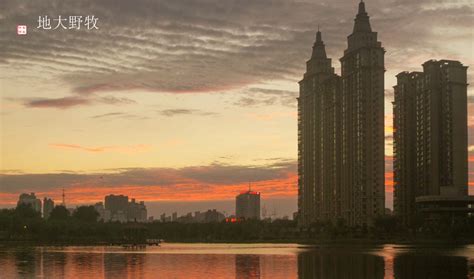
<point x="311" y="242"/>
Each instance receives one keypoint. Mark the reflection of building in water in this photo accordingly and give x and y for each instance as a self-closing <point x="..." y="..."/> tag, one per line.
<point x="30" y="199"/>
<point x="319" y="264"/>
<point x="247" y="266"/>
<point x="76" y="263"/>
<point x="129" y="265"/>
<point x="26" y="261"/>
<point x="430" y="266"/>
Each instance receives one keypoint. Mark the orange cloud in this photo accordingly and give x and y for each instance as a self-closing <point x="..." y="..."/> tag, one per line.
<point x="188" y="191"/>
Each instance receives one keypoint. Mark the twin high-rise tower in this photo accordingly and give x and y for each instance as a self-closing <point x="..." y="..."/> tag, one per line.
<point x="341" y="132"/>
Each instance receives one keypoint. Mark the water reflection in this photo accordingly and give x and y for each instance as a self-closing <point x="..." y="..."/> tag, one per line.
<point x="247" y="266"/>
<point x="25" y="261"/>
<point x="338" y="263"/>
<point x="238" y="261"/>
<point x="413" y="266"/>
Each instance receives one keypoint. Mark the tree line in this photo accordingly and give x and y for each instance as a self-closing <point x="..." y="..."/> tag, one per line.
<point x="23" y="223"/>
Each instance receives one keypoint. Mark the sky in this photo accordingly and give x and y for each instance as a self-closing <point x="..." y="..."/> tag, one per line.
<point x="183" y="103"/>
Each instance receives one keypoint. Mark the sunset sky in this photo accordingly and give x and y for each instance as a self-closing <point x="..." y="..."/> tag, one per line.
<point x="183" y="103"/>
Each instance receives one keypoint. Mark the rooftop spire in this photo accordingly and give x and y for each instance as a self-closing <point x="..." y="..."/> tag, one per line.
<point x="319" y="50"/>
<point x="362" y="23"/>
<point x="362" y="7"/>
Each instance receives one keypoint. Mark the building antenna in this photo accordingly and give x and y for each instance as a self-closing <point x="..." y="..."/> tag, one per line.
<point x="64" y="199"/>
<point x="250" y="188"/>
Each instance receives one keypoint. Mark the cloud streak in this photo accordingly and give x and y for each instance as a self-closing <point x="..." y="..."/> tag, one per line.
<point x="73" y="101"/>
<point x="177" y="112"/>
<point x="99" y="149"/>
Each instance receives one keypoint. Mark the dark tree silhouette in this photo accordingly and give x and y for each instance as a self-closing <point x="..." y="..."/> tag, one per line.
<point x="86" y="214"/>
<point x="25" y="211"/>
<point x="59" y="213"/>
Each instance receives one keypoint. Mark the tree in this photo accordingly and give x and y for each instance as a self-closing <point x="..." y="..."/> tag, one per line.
<point x="26" y="211"/>
<point x="86" y="214"/>
<point x="59" y="212"/>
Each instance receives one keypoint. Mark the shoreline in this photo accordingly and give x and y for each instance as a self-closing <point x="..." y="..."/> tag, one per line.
<point x="309" y="242"/>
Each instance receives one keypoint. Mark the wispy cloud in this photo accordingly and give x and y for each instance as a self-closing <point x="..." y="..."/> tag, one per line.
<point x="121" y="115"/>
<point x="99" y="149"/>
<point x="256" y="96"/>
<point x="177" y="112"/>
<point x="60" y="103"/>
<point x="72" y="101"/>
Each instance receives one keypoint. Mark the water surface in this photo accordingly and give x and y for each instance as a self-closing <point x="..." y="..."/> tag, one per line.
<point x="173" y="260"/>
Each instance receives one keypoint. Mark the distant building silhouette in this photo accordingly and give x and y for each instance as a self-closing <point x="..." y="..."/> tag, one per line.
<point x="136" y="211"/>
<point x="430" y="141"/>
<point x="341" y="132"/>
<point x="104" y="214"/>
<point x="209" y="216"/>
<point x="30" y="199"/>
<point x="247" y="205"/>
<point x="48" y="205"/>
<point x="122" y="210"/>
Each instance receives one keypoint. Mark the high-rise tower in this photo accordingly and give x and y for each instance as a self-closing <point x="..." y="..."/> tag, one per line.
<point x="318" y="138"/>
<point x="430" y="142"/>
<point x="362" y="71"/>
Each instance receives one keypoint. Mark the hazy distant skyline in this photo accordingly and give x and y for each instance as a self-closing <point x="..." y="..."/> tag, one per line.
<point x="175" y="101"/>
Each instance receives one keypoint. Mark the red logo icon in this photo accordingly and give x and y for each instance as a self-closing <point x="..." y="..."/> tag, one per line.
<point x="21" y="29"/>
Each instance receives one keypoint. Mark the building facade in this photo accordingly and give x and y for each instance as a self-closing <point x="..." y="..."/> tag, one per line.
<point x="319" y="135"/>
<point x="430" y="140"/>
<point x="137" y="211"/>
<point x="363" y="138"/>
<point x="341" y="132"/>
<point x="30" y="199"/>
<point x="122" y="210"/>
<point x="247" y="205"/>
<point x="48" y="205"/>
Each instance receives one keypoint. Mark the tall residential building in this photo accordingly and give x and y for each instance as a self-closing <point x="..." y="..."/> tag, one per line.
<point x="319" y="136"/>
<point x="363" y="171"/>
<point x="341" y="132"/>
<point x="30" y="199"/>
<point x="430" y="140"/>
<point x="48" y="205"/>
<point x="247" y="205"/>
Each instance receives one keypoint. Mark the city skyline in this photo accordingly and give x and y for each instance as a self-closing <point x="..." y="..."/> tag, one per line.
<point x="116" y="131"/>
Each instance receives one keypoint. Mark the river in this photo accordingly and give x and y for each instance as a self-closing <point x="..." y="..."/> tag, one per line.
<point x="174" y="260"/>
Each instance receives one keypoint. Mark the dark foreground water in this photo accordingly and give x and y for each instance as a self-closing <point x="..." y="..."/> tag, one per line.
<point x="238" y="261"/>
